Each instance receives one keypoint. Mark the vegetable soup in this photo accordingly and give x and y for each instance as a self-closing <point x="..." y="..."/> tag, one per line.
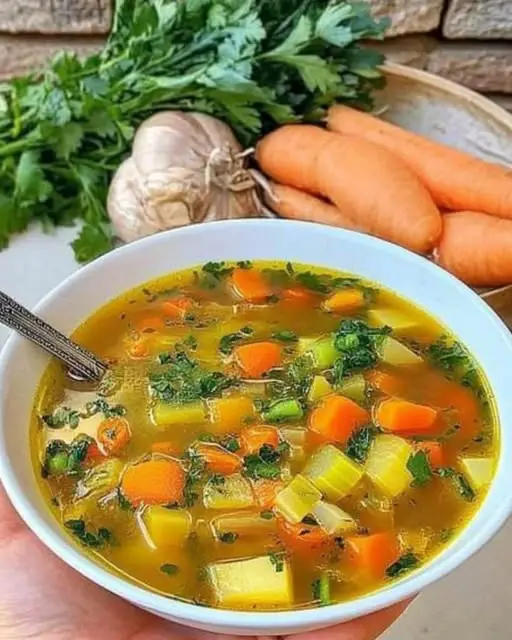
<point x="268" y="436"/>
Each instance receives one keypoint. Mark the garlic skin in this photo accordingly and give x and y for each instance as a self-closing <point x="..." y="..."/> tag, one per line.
<point x="185" y="168"/>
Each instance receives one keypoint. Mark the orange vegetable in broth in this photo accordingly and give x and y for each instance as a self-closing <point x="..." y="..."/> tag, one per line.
<point x="324" y="452"/>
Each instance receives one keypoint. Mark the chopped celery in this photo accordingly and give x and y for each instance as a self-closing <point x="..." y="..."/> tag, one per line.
<point x="387" y="464"/>
<point x="332" y="519"/>
<point x="255" y="582"/>
<point x="167" y="527"/>
<point x="480" y="471"/>
<point x="397" y="320"/>
<point x="298" y="499"/>
<point x="322" y="350"/>
<point x="396" y="354"/>
<point x="284" y="411"/>
<point x="320" y="387"/>
<point x="234" y="493"/>
<point x="332" y="472"/>
<point x="294" y="435"/>
<point x="353" y="388"/>
<point x="228" y="414"/>
<point x="169" y="415"/>
<point x="322" y="590"/>
<point x="244" y="525"/>
<point x="100" y="479"/>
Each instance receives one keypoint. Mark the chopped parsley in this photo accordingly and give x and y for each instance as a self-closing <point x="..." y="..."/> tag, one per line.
<point x="285" y="335"/>
<point x="266" y="463"/>
<point x="267" y="515"/>
<point x="277" y="560"/>
<point x="446" y="534"/>
<point x="184" y="381"/>
<point x="405" y="563"/>
<point x="452" y="357"/>
<point x="169" y="569"/>
<point x="62" y="417"/>
<point x="212" y="274"/>
<point x="358" y="345"/>
<point x="195" y="475"/>
<point x="88" y="538"/>
<point x="230" y="443"/>
<point x="228" y="342"/>
<point x="244" y="264"/>
<point x="102" y="406"/>
<point x="460" y="483"/>
<point x="228" y="537"/>
<point x="358" y="445"/>
<point x="419" y="467"/>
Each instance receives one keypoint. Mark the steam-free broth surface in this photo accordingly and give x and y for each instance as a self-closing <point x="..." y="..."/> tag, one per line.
<point x="269" y="436"/>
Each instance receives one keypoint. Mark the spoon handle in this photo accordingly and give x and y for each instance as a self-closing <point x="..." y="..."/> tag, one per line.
<point x="80" y="361"/>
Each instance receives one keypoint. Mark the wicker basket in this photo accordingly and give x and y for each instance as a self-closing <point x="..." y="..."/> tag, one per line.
<point x="447" y="112"/>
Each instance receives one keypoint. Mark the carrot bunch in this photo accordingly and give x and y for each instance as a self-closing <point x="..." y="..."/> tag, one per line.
<point x="367" y="175"/>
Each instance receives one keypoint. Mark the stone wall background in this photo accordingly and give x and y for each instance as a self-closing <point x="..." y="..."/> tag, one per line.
<point x="468" y="41"/>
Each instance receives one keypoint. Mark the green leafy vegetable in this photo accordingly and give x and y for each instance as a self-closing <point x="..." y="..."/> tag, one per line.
<point x="459" y="482"/>
<point x="358" y="445"/>
<point x="419" y="467"/>
<point x="277" y="559"/>
<point x="88" y="538"/>
<point x="102" y="406"/>
<point x="183" y="381"/>
<point x="253" y="64"/>
<point x="452" y="356"/>
<point x="195" y="475"/>
<point x="62" y="417"/>
<point x="265" y="463"/>
<point x="230" y="443"/>
<point x="228" y="342"/>
<point x="267" y="515"/>
<point x="405" y="563"/>
<point x="358" y="345"/>
<point x="285" y="335"/>
<point x="228" y="537"/>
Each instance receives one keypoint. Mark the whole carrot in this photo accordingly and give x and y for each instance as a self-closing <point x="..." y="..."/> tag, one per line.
<point x="476" y="248"/>
<point x="299" y="205"/>
<point x="364" y="181"/>
<point x="455" y="179"/>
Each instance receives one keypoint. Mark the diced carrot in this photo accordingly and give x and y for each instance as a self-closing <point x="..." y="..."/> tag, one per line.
<point x="344" y="301"/>
<point x="266" y="492"/>
<point x="150" y="323"/>
<point x="113" y="435"/>
<point x="373" y="554"/>
<point x="164" y="447"/>
<point x="385" y="382"/>
<point x="158" y="481"/>
<point x="298" y="295"/>
<point x="176" y="308"/>
<point x="138" y="349"/>
<point x="218" y="460"/>
<point x="337" y="418"/>
<point x="253" y="438"/>
<point x="400" y="416"/>
<point x="257" y="358"/>
<point x="250" y="285"/>
<point x="434" y="452"/>
<point x="303" y="538"/>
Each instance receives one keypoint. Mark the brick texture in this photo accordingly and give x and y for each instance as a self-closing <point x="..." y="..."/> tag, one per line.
<point x="483" y="19"/>
<point x="409" y="16"/>
<point x="55" y="16"/>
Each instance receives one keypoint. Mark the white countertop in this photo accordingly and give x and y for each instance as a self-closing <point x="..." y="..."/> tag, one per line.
<point x="474" y="603"/>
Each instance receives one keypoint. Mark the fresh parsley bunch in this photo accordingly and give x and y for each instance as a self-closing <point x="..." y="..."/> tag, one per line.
<point x="252" y="63"/>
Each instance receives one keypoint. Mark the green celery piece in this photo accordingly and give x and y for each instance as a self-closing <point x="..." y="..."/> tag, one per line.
<point x="284" y="411"/>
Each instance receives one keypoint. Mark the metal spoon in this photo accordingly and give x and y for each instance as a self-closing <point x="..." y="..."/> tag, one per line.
<point x="82" y="365"/>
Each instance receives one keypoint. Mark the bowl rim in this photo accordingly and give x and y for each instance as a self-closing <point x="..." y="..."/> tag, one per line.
<point x="262" y="621"/>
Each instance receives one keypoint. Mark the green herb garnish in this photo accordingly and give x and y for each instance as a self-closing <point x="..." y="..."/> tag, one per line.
<point x="228" y="342"/>
<point x="405" y="563"/>
<point x="358" y="445"/>
<point x="267" y="515"/>
<point x="266" y="463"/>
<point x="285" y="335"/>
<point x="459" y="481"/>
<point x="277" y="559"/>
<point x="62" y="417"/>
<point x="419" y="467"/>
<point x="358" y="345"/>
<point x="88" y="538"/>
<point x="169" y="569"/>
<point x="228" y="537"/>
<point x="321" y="590"/>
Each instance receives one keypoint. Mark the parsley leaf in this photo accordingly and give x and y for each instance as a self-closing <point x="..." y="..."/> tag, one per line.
<point x="285" y="335"/>
<point x="419" y="467"/>
<point x="228" y="537"/>
<point x="277" y="559"/>
<point x="266" y="463"/>
<point x="169" y="569"/>
<point x="228" y="342"/>
<point x="405" y="563"/>
<point x="358" y="445"/>
<point x="358" y="345"/>
<point x="459" y="482"/>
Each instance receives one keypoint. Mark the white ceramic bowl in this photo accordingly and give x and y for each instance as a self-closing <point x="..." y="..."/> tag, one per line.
<point x="456" y="306"/>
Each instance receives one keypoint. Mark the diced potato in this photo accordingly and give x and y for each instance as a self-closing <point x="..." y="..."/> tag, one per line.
<point x="252" y="583"/>
<point x="166" y="415"/>
<point x="234" y="493"/>
<point x="332" y="472"/>
<point x="320" y="387"/>
<point x="354" y="388"/>
<point x="167" y="527"/>
<point x="333" y="520"/>
<point x="387" y="464"/>
<point x="296" y="500"/>
<point x="244" y="525"/>
<point x="322" y="350"/>
<point x="397" y="320"/>
<point x="396" y="354"/>
<point x="480" y="471"/>
<point x="228" y="414"/>
<point x="294" y="435"/>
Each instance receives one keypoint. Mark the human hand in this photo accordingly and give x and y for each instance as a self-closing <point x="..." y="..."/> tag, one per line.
<point x="41" y="597"/>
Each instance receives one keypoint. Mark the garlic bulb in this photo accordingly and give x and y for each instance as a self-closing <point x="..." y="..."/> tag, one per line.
<point x="184" y="168"/>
